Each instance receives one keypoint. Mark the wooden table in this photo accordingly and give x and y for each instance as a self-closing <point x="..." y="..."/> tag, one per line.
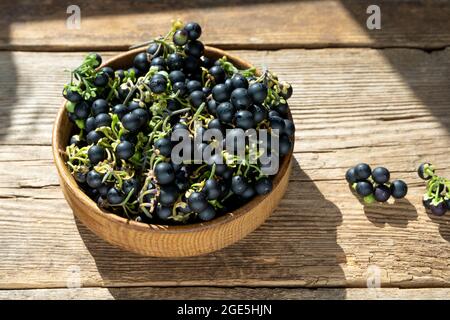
<point x="379" y="96"/>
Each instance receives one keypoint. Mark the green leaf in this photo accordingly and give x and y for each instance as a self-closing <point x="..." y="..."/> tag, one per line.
<point x="70" y="106"/>
<point x="369" y="199"/>
<point x="80" y="123"/>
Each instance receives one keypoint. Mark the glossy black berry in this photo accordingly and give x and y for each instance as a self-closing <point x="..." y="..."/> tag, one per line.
<point x="72" y="96"/>
<point x="180" y="88"/>
<point x="238" y="185"/>
<point x="94" y="179"/>
<point x="289" y="127"/>
<point x="164" y="173"/>
<point x="168" y="194"/>
<point x="197" y="202"/>
<point x="363" y="171"/>
<point x="263" y="186"/>
<point x="277" y="123"/>
<point x="109" y="71"/>
<point x="133" y="70"/>
<point x="80" y="177"/>
<point x="115" y="196"/>
<point x="399" y="189"/>
<point x="229" y="84"/>
<point x="175" y="61"/>
<point x="248" y="193"/>
<point x="103" y="120"/>
<point x="439" y="209"/>
<point x="158" y="84"/>
<point x="158" y="62"/>
<point x="103" y="190"/>
<point x="194" y="30"/>
<point x="120" y="110"/>
<point x="164" y="146"/>
<point x="194" y="48"/>
<point x="154" y="49"/>
<point x="381" y="175"/>
<point x="239" y="81"/>
<point x="207" y="62"/>
<point x="218" y="73"/>
<point x="125" y="150"/>
<point x="141" y="62"/>
<point x="286" y="90"/>
<point x="100" y="106"/>
<point x="350" y="176"/>
<point x="217" y="161"/>
<point x="285" y="145"/>
<point x="207" y="91"/>
<point x="96" y="154"/>
<point x="163" y="212"/>
<point x="131" y="122"/>
<point x="191" y="64"/>
<point x="123" y="91"/>
<point x="211" y="189"/>
<point x="93" y="137"/>
<point x="142" y="115"/>
<point x="133" y="105"/>
<point x="216" y="124"/>
<point x="257" y="92"/>
<point x="221" y="93"/>
<point x="259" y="113"/>
<point x="180" y="37"/>
<point x="225" y="112"/>
<point x="273" y="113"/>
<point x="82" y="110"/>
<point x="90" y="124"/>
<point x="207" y="214"/>
<point x="120" y="74"/>
<point x="101" y="79"/>
<point x="98" y="58"/>
<point x="240" y="99"/>
<point x="382" y="193"/>
<point x="130" y="185"/>
<point x="421" y="171"/>
<point x="173" y="105"/>
<point x="364" y="188"/>
<point x="244" y="119"/>
<point x="177" y="76"/>
<point x="75" y="139"/>
<point x="193" y="85"/>
<point x="197" y="98"/>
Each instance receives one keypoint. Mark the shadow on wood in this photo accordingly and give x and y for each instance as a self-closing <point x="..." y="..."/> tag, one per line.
<point x="397" y="214"/>
<point x="8" y="91"/>
<point x="444" y="224"/>
<point x="296" y="247"/>
<point x="413" y="66"/>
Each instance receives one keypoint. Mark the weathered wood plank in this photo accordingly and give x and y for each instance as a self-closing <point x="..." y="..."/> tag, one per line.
<point x="349" y="105"/>
<point x="358" y="94"/>
<point x="114" y="25"/>
<point x="195" y="293"/>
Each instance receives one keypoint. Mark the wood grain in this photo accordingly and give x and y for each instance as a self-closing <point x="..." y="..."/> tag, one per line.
<point x="196" y="293"/>
<point x="349" y="105"/>
<point x="261" y="24"/>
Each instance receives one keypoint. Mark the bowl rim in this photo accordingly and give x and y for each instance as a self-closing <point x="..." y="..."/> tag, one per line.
<point x="68" y="179"/>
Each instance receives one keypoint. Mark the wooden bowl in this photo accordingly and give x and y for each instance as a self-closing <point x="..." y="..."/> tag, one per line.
<point x="163" y="240"/>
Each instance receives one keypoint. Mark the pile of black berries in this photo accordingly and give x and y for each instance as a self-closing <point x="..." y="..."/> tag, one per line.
<point x="121" y="152"/>
<point x="437" y="197"/>
<point x="374" y="185"/>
